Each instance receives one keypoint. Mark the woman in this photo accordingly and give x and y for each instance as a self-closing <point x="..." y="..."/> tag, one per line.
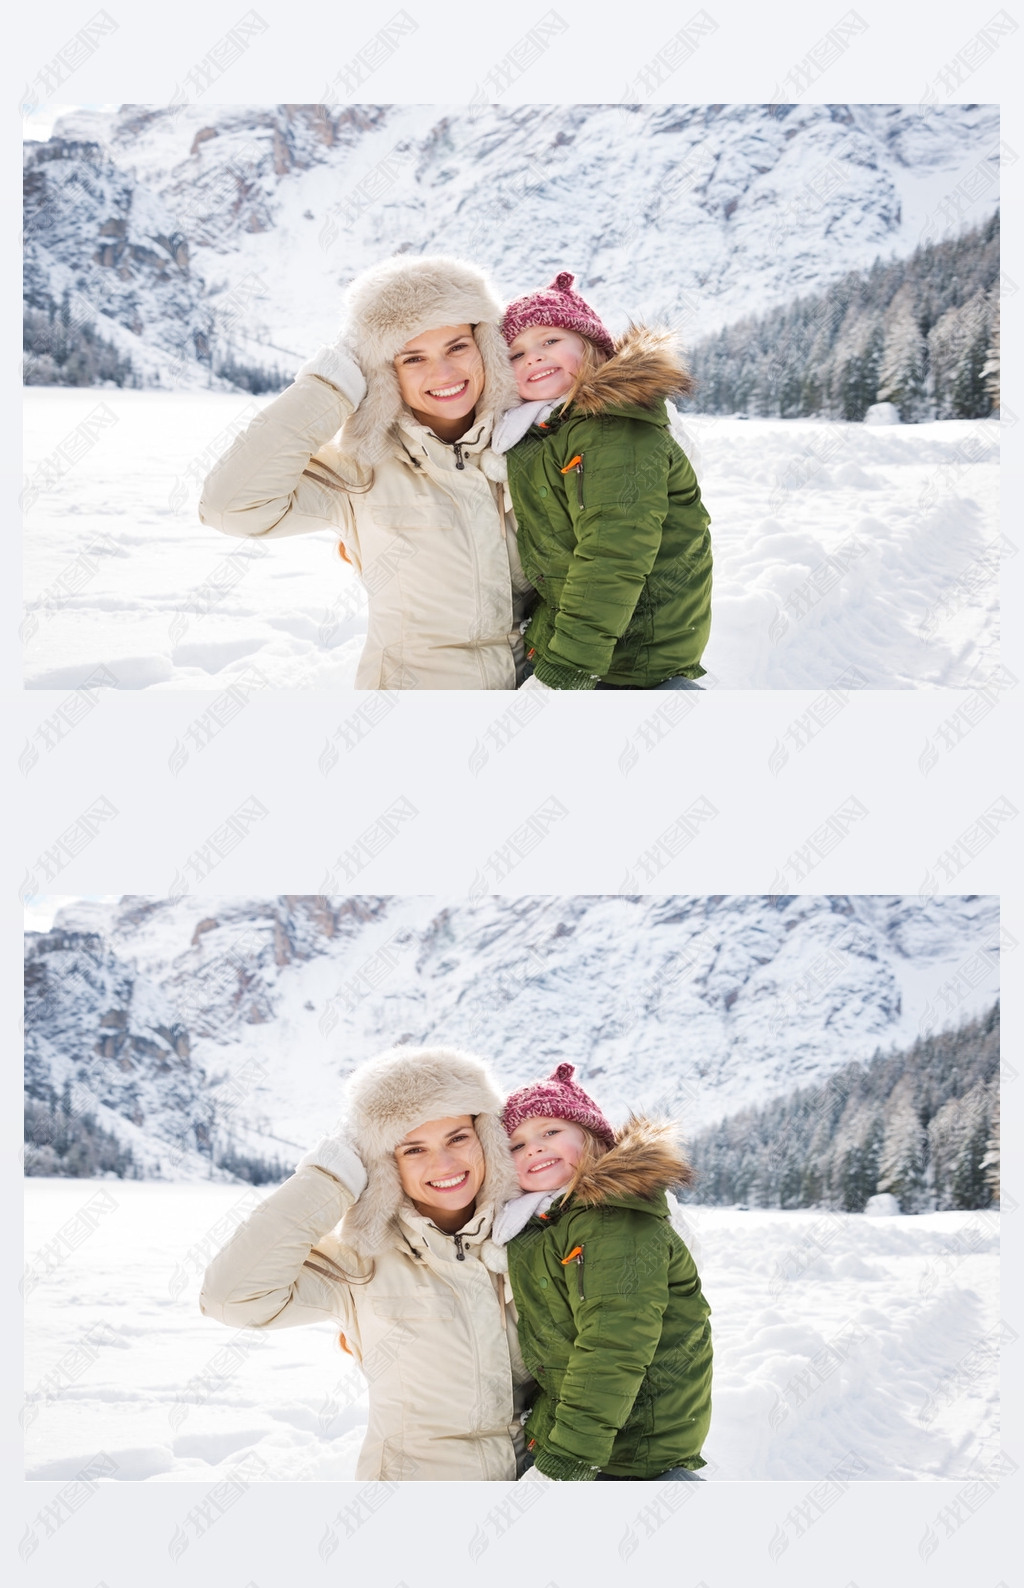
<point x="384" y="437"/>
<point x="386" y="1228"/>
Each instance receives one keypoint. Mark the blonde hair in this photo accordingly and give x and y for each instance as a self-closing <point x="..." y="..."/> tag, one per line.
<point x="593" y="1148"/>
<point x="590" y="362"/>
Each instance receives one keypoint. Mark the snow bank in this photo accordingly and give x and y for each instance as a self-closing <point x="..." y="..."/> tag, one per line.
<point x="835" y="1337"/>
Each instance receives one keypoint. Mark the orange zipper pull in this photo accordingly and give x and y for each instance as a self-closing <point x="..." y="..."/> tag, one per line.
<point x="572" y="1255"/>
<point x="573" y="463"/>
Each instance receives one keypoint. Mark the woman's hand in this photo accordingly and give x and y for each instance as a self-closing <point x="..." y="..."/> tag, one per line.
<point x="337" y="363"/>
<point x="337" y="1155"/>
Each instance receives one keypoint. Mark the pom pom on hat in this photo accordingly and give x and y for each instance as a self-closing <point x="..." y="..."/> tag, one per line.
<point x="558" y="1097"/>
<point x="558" y="305"/>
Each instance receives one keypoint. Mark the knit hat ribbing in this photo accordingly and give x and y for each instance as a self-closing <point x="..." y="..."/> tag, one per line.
<point x="556" y="304"/>
<point x="558" y="1097"/>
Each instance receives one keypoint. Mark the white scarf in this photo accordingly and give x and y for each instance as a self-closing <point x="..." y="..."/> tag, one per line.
<point x="515" y="1215"/>
<point x="512" y="426"/>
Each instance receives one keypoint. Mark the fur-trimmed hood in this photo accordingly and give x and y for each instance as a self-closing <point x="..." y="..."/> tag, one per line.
<point x="645" y="1160"/>
<point x="387" y="1097"/>
<point x="397" y="299"/>
<point x="646" y="366"/>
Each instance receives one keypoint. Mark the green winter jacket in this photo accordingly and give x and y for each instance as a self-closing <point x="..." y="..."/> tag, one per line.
<point x="612" y="1321"/>
<point x="612" y="531"/>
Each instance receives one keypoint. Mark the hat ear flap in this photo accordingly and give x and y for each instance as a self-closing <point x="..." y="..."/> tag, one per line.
<point x="500" y="391"/>
<point x="367" y="1224"/>
<point x="366" y="433"/>
<point x="500" y="1182"/>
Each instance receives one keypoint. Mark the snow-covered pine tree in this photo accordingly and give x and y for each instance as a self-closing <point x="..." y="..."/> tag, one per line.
<point x="856" y="363"/>
<point x="990" y="368"/>
<point x="904" y="359"/>
<point x="902" y="1157"/>
<point x="969" y="1189"/>
<point x="970" y="397"/>
<point x="990" y="1162"/>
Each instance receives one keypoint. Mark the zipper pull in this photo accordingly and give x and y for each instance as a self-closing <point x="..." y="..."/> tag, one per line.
<point x="459" y="1253"/>
<point x="458" y="455"/>
<point x="576" y="1256"/>
<point x="577" y="464"/>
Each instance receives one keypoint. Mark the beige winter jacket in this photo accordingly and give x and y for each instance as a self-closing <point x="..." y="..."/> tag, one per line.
<point x="435" y="1334"/>
<point x="434" y="543"/>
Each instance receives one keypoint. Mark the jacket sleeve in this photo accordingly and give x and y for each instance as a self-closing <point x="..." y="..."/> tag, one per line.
<point x="618" y="1327"/>
<point x="259" y="486"/>
<point x="271" y="1274"/>
<point x="618" y="529"/>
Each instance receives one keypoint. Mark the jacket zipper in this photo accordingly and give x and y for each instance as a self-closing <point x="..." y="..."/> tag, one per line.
<point x="459" y="1253"/>
<point x="458" y="455"/>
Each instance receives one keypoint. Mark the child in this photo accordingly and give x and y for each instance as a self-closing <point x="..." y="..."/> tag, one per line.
<point x="612" y="530"/>
<point x="612" y="1321"/>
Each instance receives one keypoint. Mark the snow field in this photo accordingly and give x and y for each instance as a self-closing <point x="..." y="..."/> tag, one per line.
<point x="839" y="549"/>
<point x="838" y="1339"/>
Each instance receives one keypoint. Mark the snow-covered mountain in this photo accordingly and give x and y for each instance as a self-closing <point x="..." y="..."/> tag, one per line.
<point x="192" y="1027"/>
<point x="189" y="233"/>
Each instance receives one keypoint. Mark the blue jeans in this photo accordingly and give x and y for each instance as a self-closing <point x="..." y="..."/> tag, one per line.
<point x="673" y="1475"/>
<point x="670" y="683"/>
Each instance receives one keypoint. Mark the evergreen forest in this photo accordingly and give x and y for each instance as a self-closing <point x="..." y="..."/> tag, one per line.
<point x="921" y="333"/>
<point x="921" y="1124"/>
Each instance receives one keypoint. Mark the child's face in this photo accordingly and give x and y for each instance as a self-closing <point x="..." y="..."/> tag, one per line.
<point x="546" y="1151"/>
<point x="545" y="361"/>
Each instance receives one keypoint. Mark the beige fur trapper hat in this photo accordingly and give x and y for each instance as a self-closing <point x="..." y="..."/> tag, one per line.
<point x="397" y="1090"/>
<point x="392" y="302"/>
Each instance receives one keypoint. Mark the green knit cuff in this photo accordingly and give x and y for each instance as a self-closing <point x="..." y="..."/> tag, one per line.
<point x="564" y="1469"/>
<point x="560" y="676"/>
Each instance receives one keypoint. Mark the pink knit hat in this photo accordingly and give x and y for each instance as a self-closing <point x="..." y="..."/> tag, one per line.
<point x="557" y="1098"/>
<point x="556" y="305"/>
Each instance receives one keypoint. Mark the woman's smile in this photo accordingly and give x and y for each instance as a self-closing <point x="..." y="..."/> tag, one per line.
<point x="450" y="1185"/>
<point x="447" y="392"/>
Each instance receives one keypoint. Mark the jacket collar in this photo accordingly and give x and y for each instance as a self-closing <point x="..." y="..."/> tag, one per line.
<point x="421" y="1234"/>
<point x="420" y="443"/>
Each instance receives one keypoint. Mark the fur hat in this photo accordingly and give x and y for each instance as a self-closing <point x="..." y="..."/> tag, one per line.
<point x="557" y="304"/>
<point x="396" y="300"/>
<point x="559" y="1097"/>
<point x="387" y="1097"/>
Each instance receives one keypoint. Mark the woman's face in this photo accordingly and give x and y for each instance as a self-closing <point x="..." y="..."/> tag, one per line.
<point x="441" y="378"/>
<point x="545" y="1152"/>
<point x="441" y="1167"/>
<point x="545" y="361"/>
